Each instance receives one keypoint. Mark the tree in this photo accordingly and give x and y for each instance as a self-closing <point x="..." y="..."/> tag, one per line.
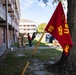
<point x="41" y="27"/>
<point x="71" y="17"/>
<point x="67" y="64"/>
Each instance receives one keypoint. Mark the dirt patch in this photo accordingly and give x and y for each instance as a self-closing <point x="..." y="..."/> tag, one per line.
<point x="37" y="68"/>
<point x="20" y="54"/>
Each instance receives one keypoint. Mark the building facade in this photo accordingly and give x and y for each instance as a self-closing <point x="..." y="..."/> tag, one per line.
<point x="27" y="26"/>
<point x="9" y="21"/>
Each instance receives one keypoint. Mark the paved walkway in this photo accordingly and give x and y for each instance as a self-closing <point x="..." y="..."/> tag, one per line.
<point x="2" y="49"/>
<point x="40" y="47"/>
<point x="31" y="48"/>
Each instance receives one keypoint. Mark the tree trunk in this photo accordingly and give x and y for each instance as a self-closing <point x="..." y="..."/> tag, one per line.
<point x="71" y="17"/>
<point x="68" y="63"/>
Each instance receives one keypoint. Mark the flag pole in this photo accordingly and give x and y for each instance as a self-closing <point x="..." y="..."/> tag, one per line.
<point x="27" y="64"/>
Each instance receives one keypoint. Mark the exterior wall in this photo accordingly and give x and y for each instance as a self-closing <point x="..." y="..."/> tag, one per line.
<point x="27" y="27"/>
<point x="13" y="20"/>
<point x="11" y="35"/>
<point x="2" y="11"/>
<point x="18" y="7"/>
<point x="10" y="38"/>
<point x="1" y="36"/>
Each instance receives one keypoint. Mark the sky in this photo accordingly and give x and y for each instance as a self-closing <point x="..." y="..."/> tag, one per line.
<point x="37" y="11"/>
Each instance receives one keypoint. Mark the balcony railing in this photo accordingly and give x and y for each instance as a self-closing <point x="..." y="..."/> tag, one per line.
<point x="2" y="11"/>
<point x="3" y="16"/>
<point x="14" y="25"/>
<point x="13" y="8"/>
<point x="9" y="19"/>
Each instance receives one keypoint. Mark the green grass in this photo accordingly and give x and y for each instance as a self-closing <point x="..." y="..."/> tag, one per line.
<point x="13" y="64"/>
<point x="15" y="44"/>
<point x="34" y="42"/>
<point x="47" y="54"/>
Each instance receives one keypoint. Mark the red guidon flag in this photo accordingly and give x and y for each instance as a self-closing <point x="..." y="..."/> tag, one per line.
<point x="58" y="28"/>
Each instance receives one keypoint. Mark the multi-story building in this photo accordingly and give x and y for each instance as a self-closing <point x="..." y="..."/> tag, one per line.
<point x="27" y="26"/>
<point x="9" y="21"/>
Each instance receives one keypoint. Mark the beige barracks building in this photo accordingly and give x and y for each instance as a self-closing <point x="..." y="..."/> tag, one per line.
<point x="27" y="26"/>
<point x="9" y="21"/>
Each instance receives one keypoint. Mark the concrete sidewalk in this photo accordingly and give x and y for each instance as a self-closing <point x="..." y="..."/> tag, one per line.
<point x="39" y="47"/>
<point x="2" y="48"/>
<point x="31" y="48"/>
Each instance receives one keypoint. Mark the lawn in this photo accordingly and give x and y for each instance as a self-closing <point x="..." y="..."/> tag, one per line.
<point x="14" y="61"/>
<point x="34" y="42"/>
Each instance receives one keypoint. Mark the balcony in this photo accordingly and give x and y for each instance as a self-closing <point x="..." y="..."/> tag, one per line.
<point x="9" y="19"/>
<point x="2" y="12"/>
<point x="3" y="15"/>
